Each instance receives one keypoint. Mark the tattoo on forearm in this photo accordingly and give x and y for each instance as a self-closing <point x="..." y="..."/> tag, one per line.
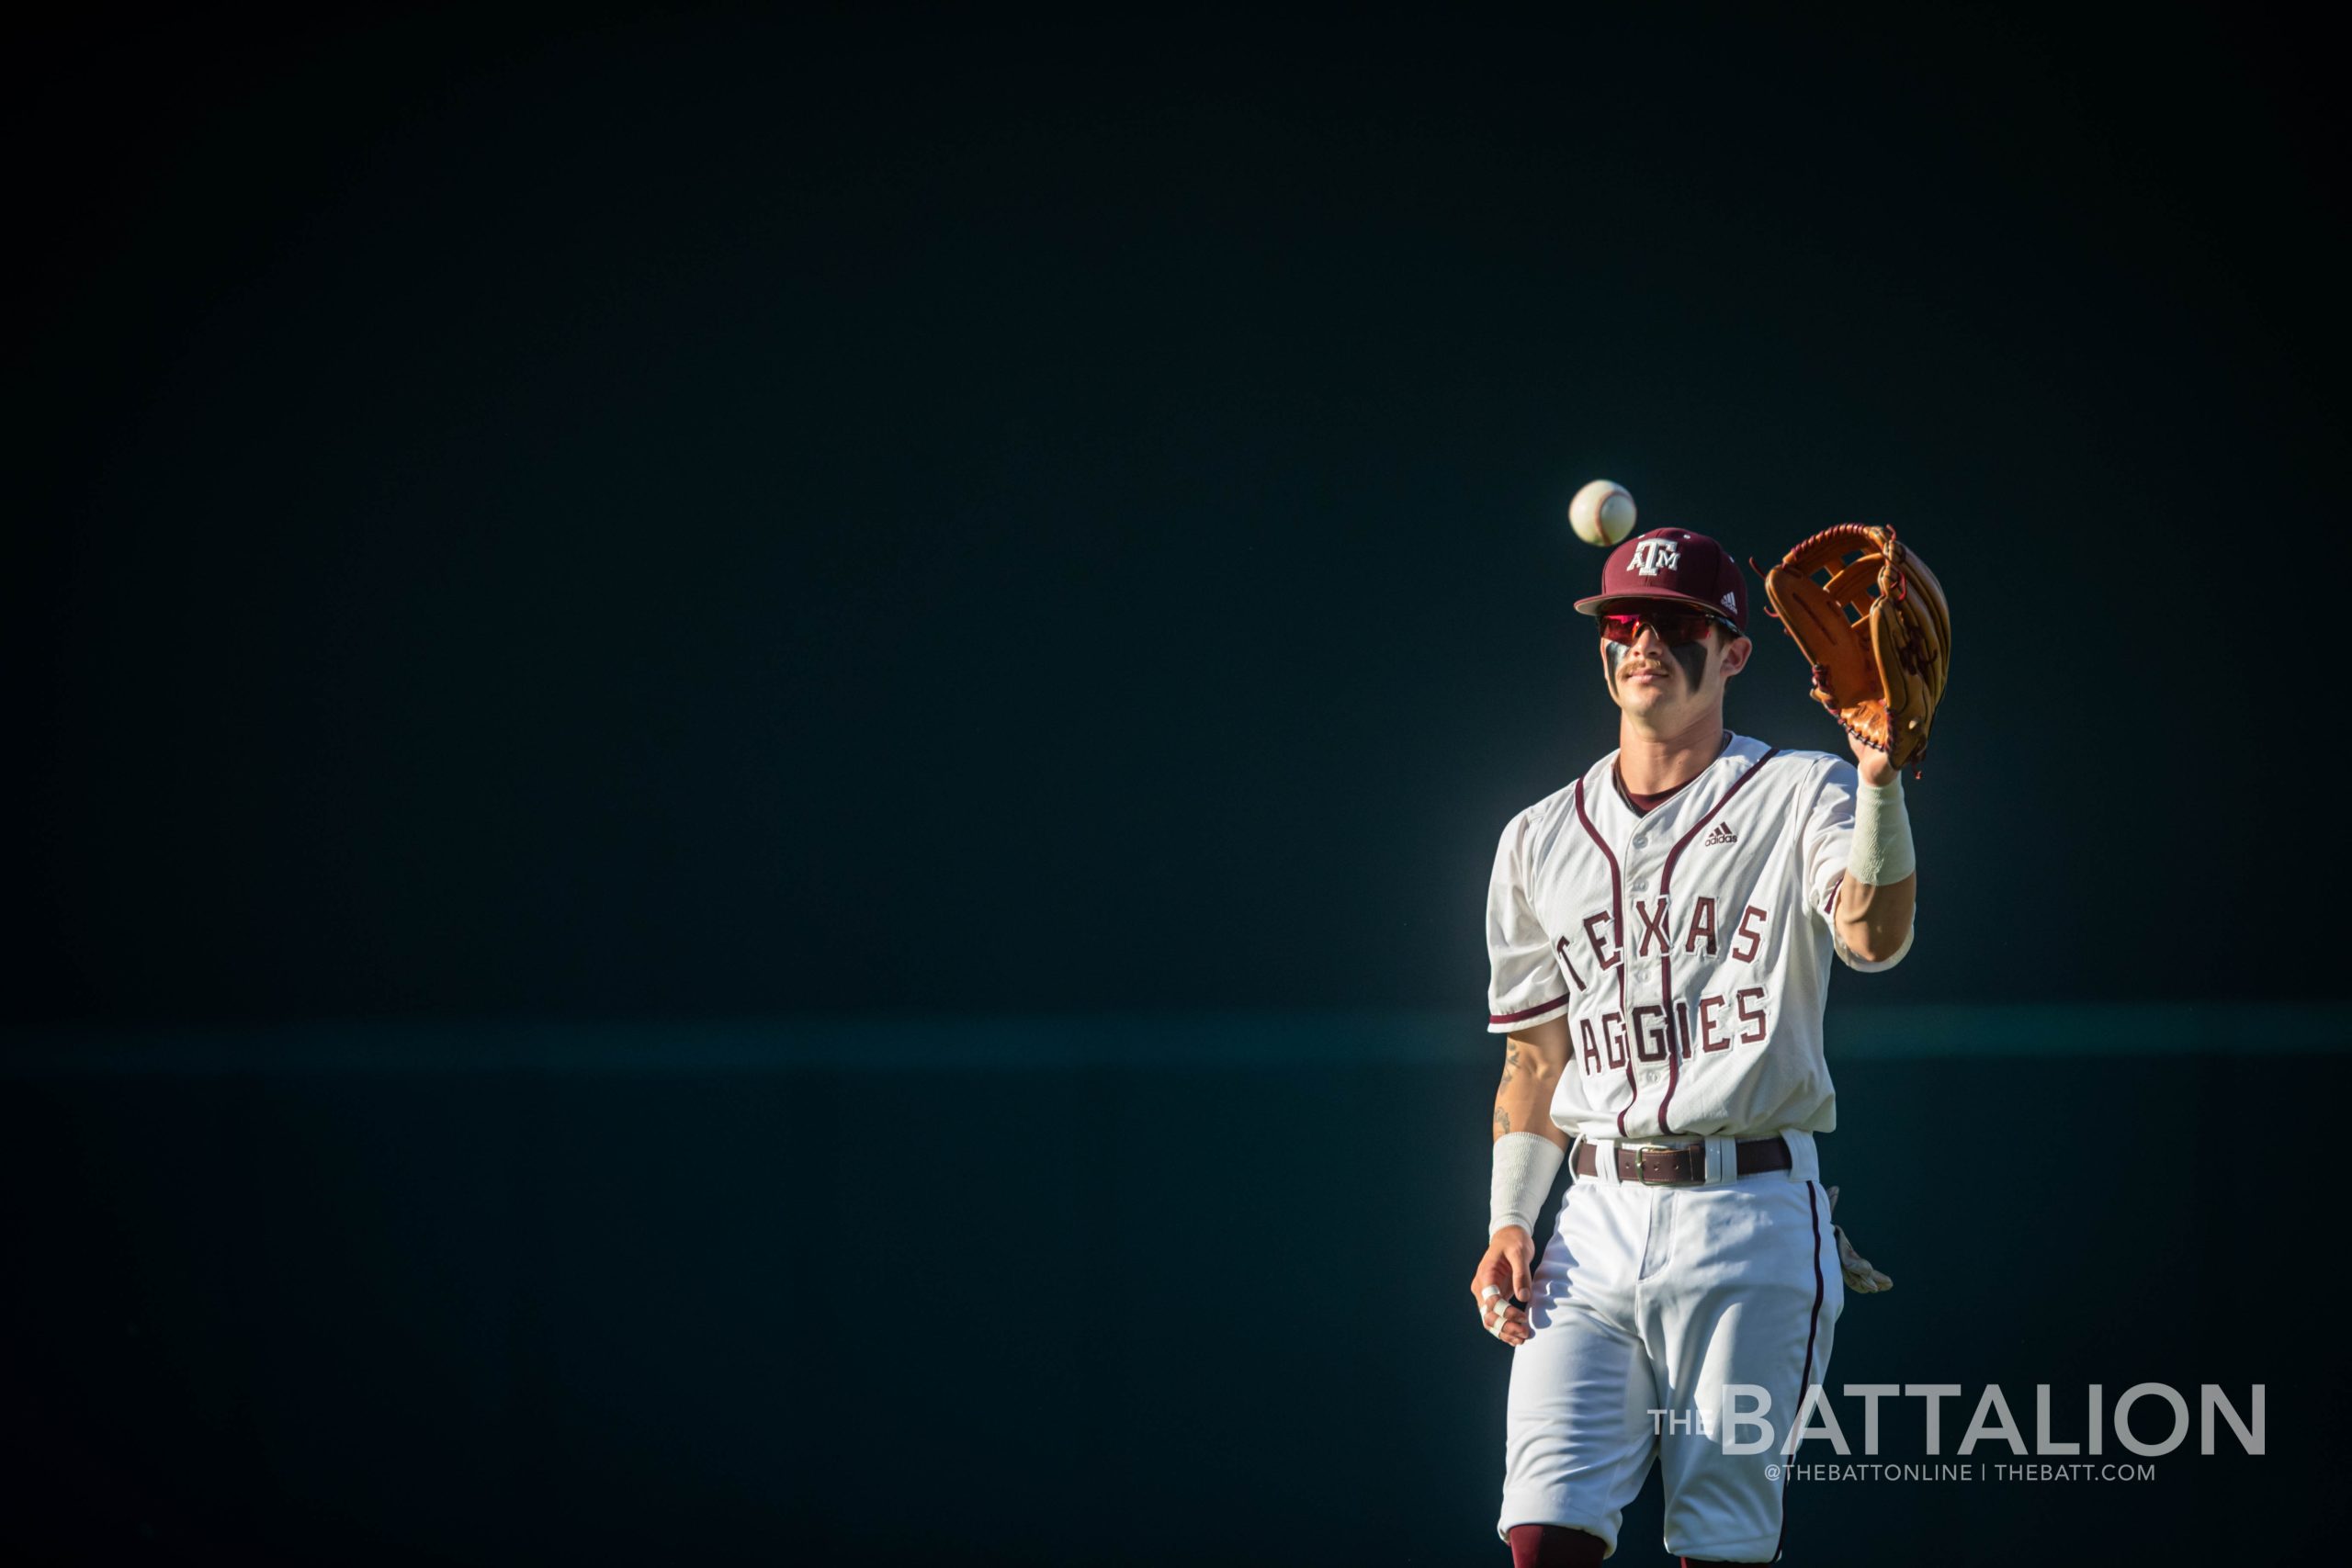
<point x="1502" y="1120"/>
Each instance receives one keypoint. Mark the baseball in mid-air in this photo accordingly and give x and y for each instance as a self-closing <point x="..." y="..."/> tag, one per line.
<point x="1601" y="513"/>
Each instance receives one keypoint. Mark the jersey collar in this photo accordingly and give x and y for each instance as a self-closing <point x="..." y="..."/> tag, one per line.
<point x="1696" y="798"/>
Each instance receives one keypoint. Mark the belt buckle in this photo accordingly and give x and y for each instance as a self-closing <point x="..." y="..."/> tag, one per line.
<point x="1642" y="1167"/>
<point x="1645" y="1178"/>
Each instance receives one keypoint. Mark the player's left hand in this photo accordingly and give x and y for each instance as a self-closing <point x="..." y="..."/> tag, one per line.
<point x="1871" y="762"/>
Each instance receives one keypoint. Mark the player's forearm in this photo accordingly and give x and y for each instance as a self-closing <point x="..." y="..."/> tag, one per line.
<point x="1524" y="1096"/>
<point x="1528" y="1146"/>
<point x="1880" y="891"/>
<point x="1873" y="920"/>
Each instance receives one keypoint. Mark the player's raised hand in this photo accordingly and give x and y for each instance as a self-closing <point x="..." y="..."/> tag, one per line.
<point x="1870" y="761"/>
<point x="1503" y="1286"/>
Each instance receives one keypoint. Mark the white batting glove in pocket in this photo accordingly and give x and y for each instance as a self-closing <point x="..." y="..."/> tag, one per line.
<point x="1861" y="1276"/>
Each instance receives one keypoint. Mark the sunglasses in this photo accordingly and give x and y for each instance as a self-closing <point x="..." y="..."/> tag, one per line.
<point x="1673" y="624"/>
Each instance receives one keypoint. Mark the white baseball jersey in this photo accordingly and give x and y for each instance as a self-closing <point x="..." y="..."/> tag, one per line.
<point x="1689" y="949"/>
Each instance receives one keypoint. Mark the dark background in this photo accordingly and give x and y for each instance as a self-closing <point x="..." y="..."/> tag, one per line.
<point x="972" y="528"/>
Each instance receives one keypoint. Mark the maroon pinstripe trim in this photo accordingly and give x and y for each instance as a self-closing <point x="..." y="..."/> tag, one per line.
<point x="1812" y="1332"/>
<point x="1617" y="935"/>
<point x="1625" y="1021"/>
<point x="1665" y="961"/>
<point x="1559" y="1001"/>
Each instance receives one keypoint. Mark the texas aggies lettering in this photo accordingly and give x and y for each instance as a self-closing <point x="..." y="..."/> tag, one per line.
<point x="1604" y="1047"/>
<point x="1692" y="964"/>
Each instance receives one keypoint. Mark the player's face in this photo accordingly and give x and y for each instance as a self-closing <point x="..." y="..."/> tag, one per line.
<point x="1664" y="680"/>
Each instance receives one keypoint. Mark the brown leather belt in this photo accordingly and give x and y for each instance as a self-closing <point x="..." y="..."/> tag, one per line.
<point x="1684" y="1167"/>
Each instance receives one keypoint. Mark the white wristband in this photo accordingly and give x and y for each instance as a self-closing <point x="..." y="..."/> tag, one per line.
<point x="1526" y="1167"/>
<point x="1881" y="851"/>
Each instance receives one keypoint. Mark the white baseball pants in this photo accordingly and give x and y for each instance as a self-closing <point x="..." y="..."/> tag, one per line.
<point x="1656" y="1299"/>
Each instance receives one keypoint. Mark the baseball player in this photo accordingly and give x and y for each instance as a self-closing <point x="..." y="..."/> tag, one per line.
<point x="1660" y="934"/>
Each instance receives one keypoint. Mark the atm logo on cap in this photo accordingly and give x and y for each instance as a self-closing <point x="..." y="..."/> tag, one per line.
<point x="1652" y="557"/>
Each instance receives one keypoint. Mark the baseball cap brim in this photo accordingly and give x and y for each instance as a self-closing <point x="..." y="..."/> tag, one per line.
<point x="1592" y="606"/>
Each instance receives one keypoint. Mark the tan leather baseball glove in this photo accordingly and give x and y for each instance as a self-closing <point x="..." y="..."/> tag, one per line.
<point x="1876" y="631"/>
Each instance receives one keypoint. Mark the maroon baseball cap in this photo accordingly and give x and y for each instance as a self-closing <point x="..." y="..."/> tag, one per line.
<point x="1676" y="564"/>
